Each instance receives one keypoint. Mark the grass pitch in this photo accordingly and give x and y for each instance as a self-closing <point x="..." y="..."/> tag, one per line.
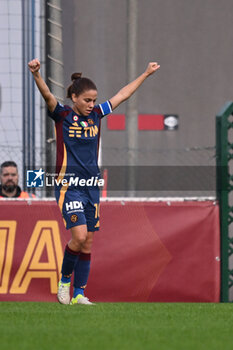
<point x="118" y="326"/>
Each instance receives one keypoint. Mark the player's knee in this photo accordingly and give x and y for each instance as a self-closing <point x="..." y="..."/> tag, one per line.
<point x="80" y="239"/>
<point x="87" y="245"/>
<point x="79" y="235"/>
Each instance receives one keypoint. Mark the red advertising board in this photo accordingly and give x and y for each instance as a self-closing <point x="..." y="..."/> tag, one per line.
<point x="144" y="251"/>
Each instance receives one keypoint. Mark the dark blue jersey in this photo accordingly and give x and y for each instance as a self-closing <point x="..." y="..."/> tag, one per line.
<point x="78" y="140"/>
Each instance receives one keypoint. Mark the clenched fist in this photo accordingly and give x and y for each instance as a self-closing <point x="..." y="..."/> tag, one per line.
<point x="152" y="67"/>
<point x="34" y="65"/>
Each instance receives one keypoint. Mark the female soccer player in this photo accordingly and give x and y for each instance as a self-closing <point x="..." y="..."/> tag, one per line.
<point x="77" y="133"/>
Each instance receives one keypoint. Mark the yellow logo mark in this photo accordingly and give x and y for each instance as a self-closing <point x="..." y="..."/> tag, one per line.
<point x="7" y="240"/>
<point x="45" y="236"/>
<point x="93" y="131"/>
<point x="76" y="131"/>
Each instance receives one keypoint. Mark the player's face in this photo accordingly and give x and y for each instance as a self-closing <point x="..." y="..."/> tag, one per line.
<point x="9" y="178"/>
<point x="84" y="103"/>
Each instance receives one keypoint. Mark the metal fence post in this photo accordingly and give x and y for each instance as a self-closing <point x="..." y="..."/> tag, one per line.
<point x="223" y="156"/>
<point x="54" y="73"/>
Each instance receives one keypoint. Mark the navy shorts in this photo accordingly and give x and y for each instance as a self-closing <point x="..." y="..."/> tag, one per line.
<point x="79" y="207"/>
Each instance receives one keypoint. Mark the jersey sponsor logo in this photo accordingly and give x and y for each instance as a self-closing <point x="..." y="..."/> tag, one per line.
<point x="74" y="205"/>
<point x="74" y="218"/>
<point x="90" y="121"/>
<point x="77" y="131"/>
<point x="75" y="118"/>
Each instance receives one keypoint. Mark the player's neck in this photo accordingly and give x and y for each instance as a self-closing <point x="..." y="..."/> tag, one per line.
<point x="76" y="110"/>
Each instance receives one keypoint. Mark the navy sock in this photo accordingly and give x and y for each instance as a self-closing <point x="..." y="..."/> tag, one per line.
<point x="81" y="273"/>
<point x="69" y="260"/>
<point x="78" y="291"/>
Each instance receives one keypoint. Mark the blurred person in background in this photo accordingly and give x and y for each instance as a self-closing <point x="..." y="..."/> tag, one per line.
<point x="9" y="178"/>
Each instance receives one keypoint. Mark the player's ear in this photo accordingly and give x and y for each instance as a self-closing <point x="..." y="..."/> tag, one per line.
<point x="73" y="97"/>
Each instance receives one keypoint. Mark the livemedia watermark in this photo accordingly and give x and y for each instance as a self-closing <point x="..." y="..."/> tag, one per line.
<point x="39" y="179"/>
<point x="123" y="178"/>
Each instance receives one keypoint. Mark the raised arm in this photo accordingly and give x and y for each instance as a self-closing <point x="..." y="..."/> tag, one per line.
<point x="129" y="89"/>
<point x="49" y="98"/>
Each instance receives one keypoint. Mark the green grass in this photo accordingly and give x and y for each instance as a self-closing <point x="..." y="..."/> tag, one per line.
<point x="120" y="326"/>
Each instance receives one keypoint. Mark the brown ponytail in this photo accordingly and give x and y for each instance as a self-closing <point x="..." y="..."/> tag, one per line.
<point x="75" y="76"/>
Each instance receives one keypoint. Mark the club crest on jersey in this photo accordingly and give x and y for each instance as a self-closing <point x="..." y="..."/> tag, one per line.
<point x="90" y="121"/>
<point x="74" y="218"/>
<point x="84" y="124"/>
<point x="75" y="118"/>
